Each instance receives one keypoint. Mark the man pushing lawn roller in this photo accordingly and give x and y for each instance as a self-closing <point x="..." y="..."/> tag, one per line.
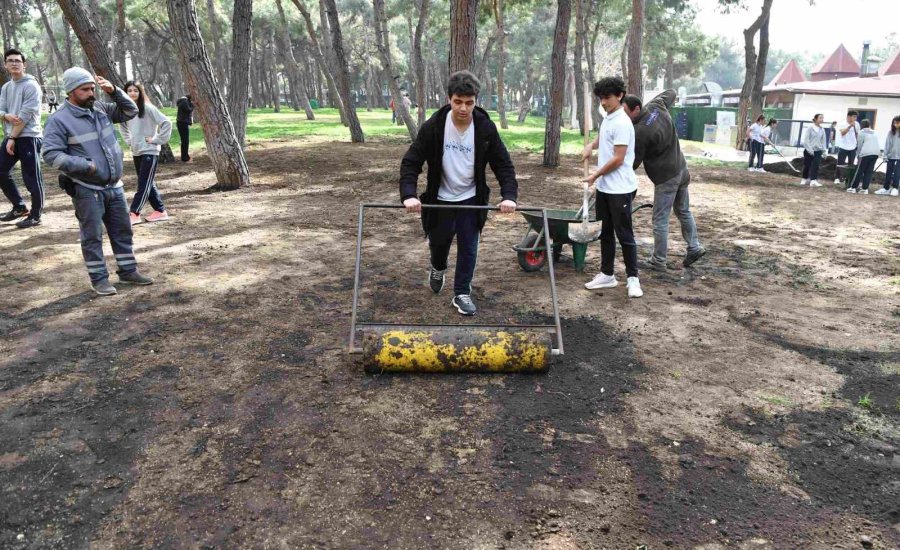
<point x="457" y="142"/>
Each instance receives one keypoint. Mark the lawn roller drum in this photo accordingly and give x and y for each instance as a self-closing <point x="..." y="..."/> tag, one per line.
<point x="532" y="250"/>
<point x="439" y="348"/>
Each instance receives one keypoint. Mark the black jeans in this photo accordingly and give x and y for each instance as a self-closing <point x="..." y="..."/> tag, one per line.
<point x="28" y="152"/>
<point x="757" y="150"/>
<point x="866" y="171"/>
<point x="846" y="156"/>
<point x="615" y="213"/>
<point x="184" y="132"/>
<point x="462" y="224"/>
<point x="892" y="175"/>
<point x="811" y="165"/>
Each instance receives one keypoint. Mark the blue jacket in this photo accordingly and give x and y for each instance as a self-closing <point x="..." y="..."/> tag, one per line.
<point x="76" y="139"/>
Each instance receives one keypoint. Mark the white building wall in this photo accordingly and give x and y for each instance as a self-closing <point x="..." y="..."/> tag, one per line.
<point x="835" y="107"/>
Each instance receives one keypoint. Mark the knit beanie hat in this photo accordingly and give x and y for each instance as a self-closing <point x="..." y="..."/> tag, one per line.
<point x="75" y="77"/>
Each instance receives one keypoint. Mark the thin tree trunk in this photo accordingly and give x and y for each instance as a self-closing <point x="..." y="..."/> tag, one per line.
<point x="420" y="62"/>
<point x="750" y="60"/>
<point x="756" y="95"/>
<point x="120" y="39"/>
<point x="60" y="60"/>
<point x="91" y="40"/>
<point x="239" y="91"/>
<point x="463" y="34"/>
<point x="623" y="56"/>
<point x="322" y="61"/>
<point x="291" y="65"/>
<point x="68" y="34"/>
<point x="578" y="66"/>
<point x="527" y="92"/>
<point x="382" y="42"/>
<point x="635" y="82"/>
<point x="222" y="145"/>
<point x="557" y="83"/>
<point x="343" y="80"/>
<point x="215" y="30"/>
<point x="501" y="64"/>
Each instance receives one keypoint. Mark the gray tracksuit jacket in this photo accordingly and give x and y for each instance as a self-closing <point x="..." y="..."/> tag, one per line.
<point x="153" y="125"/>
<point x="77" y="139"/>
<point x="868" y="144"/>
<point x="814" y="139"/>
<point x="892" y="147"/>
<point x="23" y="98"/>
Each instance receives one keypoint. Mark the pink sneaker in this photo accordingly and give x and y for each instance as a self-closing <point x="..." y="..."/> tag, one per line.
<point x="135" y="218"/>
<point x="156" y="216"/>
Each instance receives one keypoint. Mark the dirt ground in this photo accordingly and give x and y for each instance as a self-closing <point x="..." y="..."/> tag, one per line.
<point x="219" y="408"/>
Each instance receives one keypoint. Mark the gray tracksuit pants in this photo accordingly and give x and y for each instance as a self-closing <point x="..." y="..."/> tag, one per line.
<point x="94" y="210"/>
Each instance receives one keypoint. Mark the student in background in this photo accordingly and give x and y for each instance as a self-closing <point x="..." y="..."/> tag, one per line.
<point x="867" y="151"/>
<point x="757" y="145"/>
<point x="813" y="148"/>
<point x="846" y="142"/>
<point x="766" y="135"/>
<point x="892" y="157"/>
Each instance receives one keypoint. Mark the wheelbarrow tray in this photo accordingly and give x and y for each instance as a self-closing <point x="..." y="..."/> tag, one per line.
<point x="558" y="221"/>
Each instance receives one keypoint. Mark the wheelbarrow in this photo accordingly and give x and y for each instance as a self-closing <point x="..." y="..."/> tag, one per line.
<point x="532" y="252"/>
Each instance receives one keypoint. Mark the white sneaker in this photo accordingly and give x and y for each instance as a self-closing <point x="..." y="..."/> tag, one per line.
<point x="634" y="288"/>
<point x="761" y="170"/>
<point x="751" y="169"/>
<point x="894" y="192"/>
<point x="804" y="181"/>
<point x="815" y="183"/>
<point x="882" y="191"/>
<point x="851" y="190"/>
<point x="601" y="281"/>
<point x="837" y="181"/>
<point x="863" y="191"/>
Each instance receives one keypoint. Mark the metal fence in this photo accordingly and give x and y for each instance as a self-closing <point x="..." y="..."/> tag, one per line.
<point x="790" y="133"/>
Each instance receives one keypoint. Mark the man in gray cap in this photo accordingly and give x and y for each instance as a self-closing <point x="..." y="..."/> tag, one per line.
<point x="80" y="141"/>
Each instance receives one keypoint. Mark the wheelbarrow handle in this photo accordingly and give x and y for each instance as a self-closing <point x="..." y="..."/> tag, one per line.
<point x="454" y="207"/>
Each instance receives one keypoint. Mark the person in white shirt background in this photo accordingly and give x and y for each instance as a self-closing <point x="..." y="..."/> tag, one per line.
<point x="846" y="141"/>
<point x="757" y="145"/>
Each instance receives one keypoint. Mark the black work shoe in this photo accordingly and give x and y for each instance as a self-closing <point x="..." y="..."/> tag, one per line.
<point x="28" y="222"/>
<point x="650" y="263"/>
<point x="693" y="256"/>
<point x="13" y="214"/>
<point x="464" y="304"/>
<point x="135" y="278"/>
<point x="436" y="279"/>
<point x="103" y="288"/>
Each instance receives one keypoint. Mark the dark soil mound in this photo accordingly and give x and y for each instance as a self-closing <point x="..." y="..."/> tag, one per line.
<point x="826" y="170"/>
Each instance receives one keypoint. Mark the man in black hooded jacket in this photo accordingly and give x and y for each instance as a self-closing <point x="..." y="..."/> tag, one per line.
<point x="457" y="142"/>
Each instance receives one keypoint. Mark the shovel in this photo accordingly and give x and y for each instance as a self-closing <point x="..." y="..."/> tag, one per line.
<point x="584" y="233"/>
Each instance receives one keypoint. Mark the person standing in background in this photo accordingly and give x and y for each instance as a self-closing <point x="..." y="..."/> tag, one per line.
<point x="892" y="157"/>
<point x="183" y="121"/>
<point x="813" y="149"/>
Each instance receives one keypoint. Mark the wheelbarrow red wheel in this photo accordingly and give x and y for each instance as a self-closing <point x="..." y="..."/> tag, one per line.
<point x="532" y="260"/>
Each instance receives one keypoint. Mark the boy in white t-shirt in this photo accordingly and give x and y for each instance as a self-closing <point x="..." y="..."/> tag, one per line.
<point x="616" y="186"/>
<point x="846" y="141"/>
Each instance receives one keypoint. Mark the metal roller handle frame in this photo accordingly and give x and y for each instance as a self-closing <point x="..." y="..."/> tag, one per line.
<point x="557" y="326"/>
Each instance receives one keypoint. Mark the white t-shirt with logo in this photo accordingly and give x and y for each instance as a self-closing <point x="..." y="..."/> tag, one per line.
<point x="617" y="129"/>
<point x="457" y="163"/>
<point x="847" y="141"/>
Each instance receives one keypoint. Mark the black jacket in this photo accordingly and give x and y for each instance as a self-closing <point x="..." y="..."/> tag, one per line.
<point x="185" y="110"/>
<point x="429" y="147"/>
<point x="656" y="141"/>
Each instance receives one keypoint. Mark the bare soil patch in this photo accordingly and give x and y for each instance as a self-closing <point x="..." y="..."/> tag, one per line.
<point x="218" y="407"/>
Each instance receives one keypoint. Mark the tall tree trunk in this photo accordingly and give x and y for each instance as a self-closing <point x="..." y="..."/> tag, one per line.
<point x="420" y="62"/>
<point x="383" y="42"/>
<point x="669" y="81"/>
<point x="239" y="91"/>
<point x="623" y="56"/>
<point x="218" y="131"/>
<point x="292" y="67"/>
<point x="120" y="39"/>
<point x="343" y="80"/>
<point x="635" y="82"/>
<point x="750" y="60"/>
<point x="591" y="15"/>
<point x="328" y="50"/>
<point x="527" y="92"/>
<point x="67" y="32"/>
<point x="501" y="64"/>
<point x="578" y="66"/>
<point x="463" y="34"/>
<point x="322" y="62"/>
<point x="215" y="31"/>
<point x="557" y="83"/>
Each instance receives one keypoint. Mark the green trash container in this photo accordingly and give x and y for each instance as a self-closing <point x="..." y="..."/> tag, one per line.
<point x="314" y="103"/>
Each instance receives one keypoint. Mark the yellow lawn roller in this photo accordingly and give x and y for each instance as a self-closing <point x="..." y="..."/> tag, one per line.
<point x="443" y="348"/>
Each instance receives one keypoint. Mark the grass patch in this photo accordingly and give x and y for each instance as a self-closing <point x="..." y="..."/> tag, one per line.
<point x="776" y="400"/>
<point x="866" y="402"/>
